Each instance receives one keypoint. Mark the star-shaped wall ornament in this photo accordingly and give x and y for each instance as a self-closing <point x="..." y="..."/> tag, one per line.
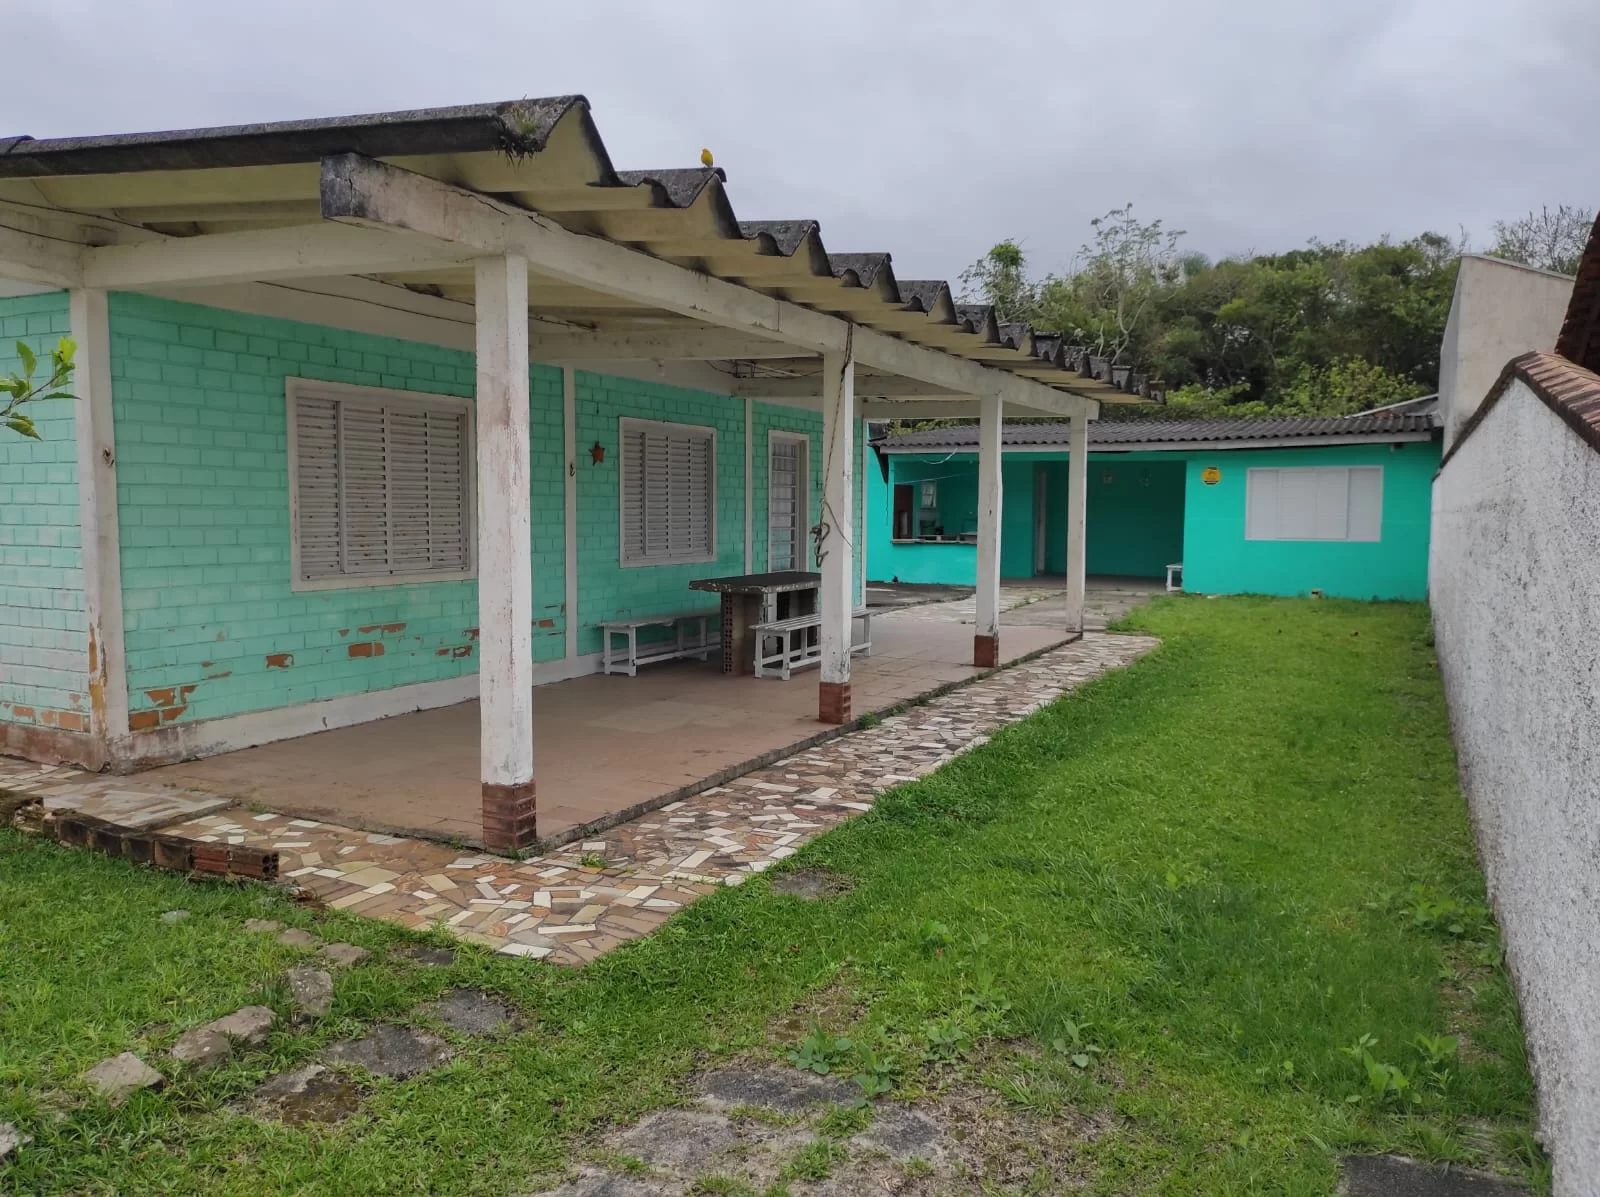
<point x="597" y="453"/>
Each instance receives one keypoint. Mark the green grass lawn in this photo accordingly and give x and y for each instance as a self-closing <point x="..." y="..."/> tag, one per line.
<point x="1171" y="904"/>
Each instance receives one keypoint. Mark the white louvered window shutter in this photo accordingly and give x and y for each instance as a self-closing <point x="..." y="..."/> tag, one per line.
<point x="382" y="486"/>
<point x="668" y="493"/>
<point x="1314" y="503"/>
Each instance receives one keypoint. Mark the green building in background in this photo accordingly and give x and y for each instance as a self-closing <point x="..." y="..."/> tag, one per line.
<point x="1338" y="505"/>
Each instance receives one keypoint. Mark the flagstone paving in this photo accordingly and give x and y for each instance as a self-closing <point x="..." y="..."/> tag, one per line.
<point x="588" y="897"/>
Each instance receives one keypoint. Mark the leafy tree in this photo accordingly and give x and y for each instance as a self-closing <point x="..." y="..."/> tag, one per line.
<point x="1000" y="278"/>
<point x="18" y="389"/>
<point x="1549" y="240"/>
<point x="1124" y="270"/>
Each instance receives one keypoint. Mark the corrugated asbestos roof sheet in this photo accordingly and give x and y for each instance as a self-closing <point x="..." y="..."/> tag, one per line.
<point x="545" y="155"/>
<point x="1104" y="433"/>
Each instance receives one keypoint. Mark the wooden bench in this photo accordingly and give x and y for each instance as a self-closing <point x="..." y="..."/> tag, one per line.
<point x="634" y="655"/>
<point x="799" y="651"/>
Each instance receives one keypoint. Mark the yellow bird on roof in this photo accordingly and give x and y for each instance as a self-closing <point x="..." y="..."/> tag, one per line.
<point x="706" y="159"/>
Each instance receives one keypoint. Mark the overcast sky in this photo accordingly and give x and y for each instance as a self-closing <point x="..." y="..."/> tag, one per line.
<point x="930" y="130"/>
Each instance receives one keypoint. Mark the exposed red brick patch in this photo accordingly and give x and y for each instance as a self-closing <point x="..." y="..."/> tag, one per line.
<point x="833" y="702"/>
<point x="344" y="631"/>
<point x="168" y="714"/>
<point x="279" y="660"/>
<point x="211" y="677"/>
<point x="441" y="652"/>
<point x="207" y="664"/>
<point x="393" y="629"/>
<point x="472" y="633"/>
<point x="547" y="623"/>
<point x="164" y="697"/>
<point x="461" y="650"/>
<point x="366" y="648"/>
<point x="70" y="721"/>
<point x="986" y="652"/>
<point x="509" y="816"/>
<point x="143" y="720"/>
<point x="26" y="714"/>
<point x="368" y="629"/>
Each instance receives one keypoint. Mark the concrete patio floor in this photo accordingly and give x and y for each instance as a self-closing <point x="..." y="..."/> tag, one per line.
<point x="604" y="747"/>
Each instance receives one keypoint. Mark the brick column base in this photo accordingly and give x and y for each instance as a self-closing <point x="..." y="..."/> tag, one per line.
<point x="833" y="702"/>
<point x="508" y="816"/>
<point x="986" y="651"/>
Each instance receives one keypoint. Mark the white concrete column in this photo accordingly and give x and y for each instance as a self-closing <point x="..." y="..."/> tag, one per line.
<point x="505" y="554"/>
<point x="1077" y="518"/>
<point x="749" y="486"/>
<point x="837" y="546"/>
<point x="97" y="513"/>
<point x="569" y="424"/>
<point x="862" y="532"/>
<point x="986" y="637"/>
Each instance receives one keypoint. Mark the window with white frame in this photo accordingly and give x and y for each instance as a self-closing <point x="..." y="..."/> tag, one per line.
<point x="1314" y="503"/>
<point x="381" y="485"/>
<point x="669" y="499"/>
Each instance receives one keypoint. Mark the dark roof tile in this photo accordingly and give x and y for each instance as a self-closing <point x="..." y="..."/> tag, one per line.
<point x="1158" y="432"/>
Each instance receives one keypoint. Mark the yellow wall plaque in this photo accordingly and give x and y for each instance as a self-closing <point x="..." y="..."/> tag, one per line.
<point x="1211" y="475"/>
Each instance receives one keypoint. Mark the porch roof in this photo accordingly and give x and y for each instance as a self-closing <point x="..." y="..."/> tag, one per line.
<point x="253" y="184"/>
<point x="1158" y="435"/>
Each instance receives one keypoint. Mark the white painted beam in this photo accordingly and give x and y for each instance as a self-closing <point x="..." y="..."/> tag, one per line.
<point x="30" y="257"/>
<point x="361" y="191"/>
<point x="837" y="545"/>
<point x="690" y="344"/>
<point x="505" y="554"/>
<point x="986" y="638"/>
<point x="97" y="513"/>
<point x="301" y="251"/>
<point x="1077" y="520"/>
<point x="807" y="387"/>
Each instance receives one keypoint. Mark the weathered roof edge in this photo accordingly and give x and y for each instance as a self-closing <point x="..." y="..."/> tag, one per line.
<point x="525" y="127"/>
<point x="1565" y="387"/>
<point x="465" y="128"/>
<point x="1178" y="434"/>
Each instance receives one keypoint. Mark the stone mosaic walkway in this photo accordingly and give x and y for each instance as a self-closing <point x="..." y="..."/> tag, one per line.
<point x="583" y="900"/>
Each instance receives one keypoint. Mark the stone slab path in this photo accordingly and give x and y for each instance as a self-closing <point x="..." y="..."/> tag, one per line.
<point x="576" y="903"/>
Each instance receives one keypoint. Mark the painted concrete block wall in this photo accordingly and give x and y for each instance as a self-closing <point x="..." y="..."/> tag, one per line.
<point x="606" y="588"/>
<point x="1217" y="559"/>
<point x="1135" y="524"/>
<point x="1135" y="520"/>
<point x="43" y="628"/>
<point x="1515" y="572"/>
<point x="213" y="627"/>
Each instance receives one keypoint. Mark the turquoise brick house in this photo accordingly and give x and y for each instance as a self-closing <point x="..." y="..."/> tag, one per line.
<point x="213" y="625"/>
<point x="1275" y="506"/>
<point x="385" y="413"/>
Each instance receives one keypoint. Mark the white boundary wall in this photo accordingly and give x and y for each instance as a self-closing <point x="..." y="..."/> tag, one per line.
<point x="1515" y="586"/>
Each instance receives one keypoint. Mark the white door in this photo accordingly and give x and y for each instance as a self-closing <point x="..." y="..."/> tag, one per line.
<point x="788" y="499"/>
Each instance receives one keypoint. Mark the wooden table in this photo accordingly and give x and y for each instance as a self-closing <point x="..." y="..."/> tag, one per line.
<point x="749" y="599"/>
